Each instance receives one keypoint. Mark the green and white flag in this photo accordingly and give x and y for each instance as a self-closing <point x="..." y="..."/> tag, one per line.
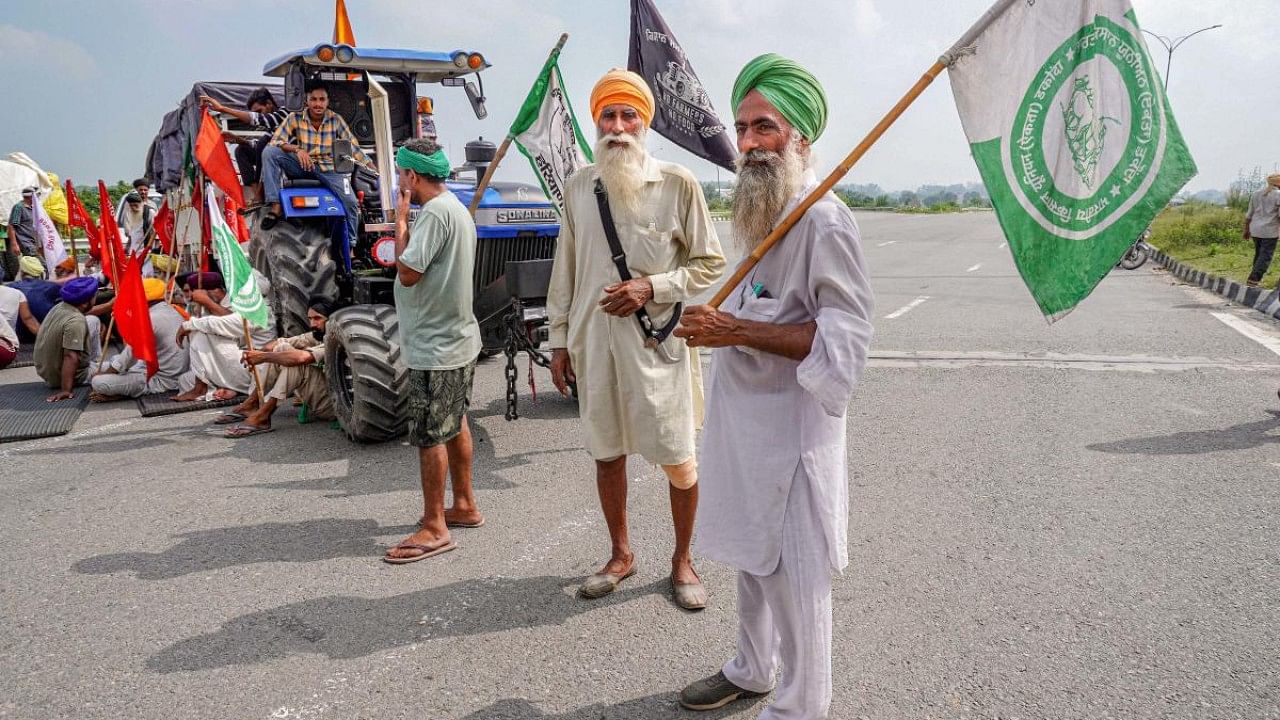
<point x="237" y="273"/>
<point x="1073" y="136"/>
<point x="547" y="132"/>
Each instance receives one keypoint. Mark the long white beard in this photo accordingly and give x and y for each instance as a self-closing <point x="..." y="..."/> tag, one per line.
<point x="622" y="170"/>
<point x="766" y="182"/>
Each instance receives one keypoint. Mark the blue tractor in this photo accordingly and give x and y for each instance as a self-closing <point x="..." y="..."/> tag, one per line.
<point x="308" y="252"/>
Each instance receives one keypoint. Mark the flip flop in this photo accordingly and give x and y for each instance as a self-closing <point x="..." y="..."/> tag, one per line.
<point x="426" y="552"/>
<point x="244" y="431"/>
<point x="601" y="584"/>
<point x="229" y="418"/>
<point x="455" y="524"/>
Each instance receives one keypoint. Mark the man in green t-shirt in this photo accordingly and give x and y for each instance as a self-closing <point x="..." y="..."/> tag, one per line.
<point x="62" y="346"/>
<point x="439" y="341"/>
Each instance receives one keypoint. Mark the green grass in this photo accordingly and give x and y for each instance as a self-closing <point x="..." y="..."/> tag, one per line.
<point x="1208" y="238"/>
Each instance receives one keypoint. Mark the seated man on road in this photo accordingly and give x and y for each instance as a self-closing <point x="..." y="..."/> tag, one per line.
<point x="15" y="310"/>
<point x="302" y="147"/>
<point x="42" y="296"/>
<point x="263" y="114"/>
<point x="63" y="343"/>
<point x="124" y="377"/>
<point x="215" y="339"/>
<point x="294" y="366"/>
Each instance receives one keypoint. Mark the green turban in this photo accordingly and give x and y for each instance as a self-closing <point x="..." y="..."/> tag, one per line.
<point x="435" y="165"/>
<point x="791" y="89"/>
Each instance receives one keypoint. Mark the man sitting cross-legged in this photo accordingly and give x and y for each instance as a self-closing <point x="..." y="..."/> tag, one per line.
<point x="294" y="366"/>
<point x="215" y="340"/>
<point x="125" y="376"/>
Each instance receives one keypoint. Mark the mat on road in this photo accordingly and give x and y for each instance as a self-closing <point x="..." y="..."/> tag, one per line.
<point x="163" y="404"/>
<point x="25" y="415"/>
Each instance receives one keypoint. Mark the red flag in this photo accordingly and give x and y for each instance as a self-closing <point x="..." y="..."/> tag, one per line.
<point x="133" y="317"/>
<point x="211" y="153"/>
<point x="78" y="217"/>
<point x="235" y="221"/>
<point x="163" y="225"/>
<point x="114" y="263"/>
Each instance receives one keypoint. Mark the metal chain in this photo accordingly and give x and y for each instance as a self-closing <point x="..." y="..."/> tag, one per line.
<point x="510" y="351"/>
<point x="519" y="339"/>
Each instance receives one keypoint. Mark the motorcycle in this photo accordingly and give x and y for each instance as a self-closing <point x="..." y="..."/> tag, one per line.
<point x="1138" y="253"/>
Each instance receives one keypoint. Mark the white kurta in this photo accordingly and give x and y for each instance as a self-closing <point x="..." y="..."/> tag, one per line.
<point x="130" y="376"/>
<point x="767" y="415"/>
<point x="631" y="400"/>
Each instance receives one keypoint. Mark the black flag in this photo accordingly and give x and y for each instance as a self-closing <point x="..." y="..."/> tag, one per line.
<point x="684" y="114"/>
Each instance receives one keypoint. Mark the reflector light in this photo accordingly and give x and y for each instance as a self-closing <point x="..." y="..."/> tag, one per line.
<point x="325" y="53"/>
<point x="346" y="54"/>
<point x="303" y="201"/>
<point x="384" y="252"/>
<point x="475" y="61"/>
<point x="460" y="60"/>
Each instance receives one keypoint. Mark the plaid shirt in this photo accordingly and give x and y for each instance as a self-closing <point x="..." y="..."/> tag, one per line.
<point x="298" y="130"/>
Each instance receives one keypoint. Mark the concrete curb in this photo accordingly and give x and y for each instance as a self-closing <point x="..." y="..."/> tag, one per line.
<point x="1263" y="300"/>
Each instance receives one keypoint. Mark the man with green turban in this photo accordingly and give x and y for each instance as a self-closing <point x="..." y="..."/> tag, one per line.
<point x="439" y="341"/>
<point x="791" y="344"/>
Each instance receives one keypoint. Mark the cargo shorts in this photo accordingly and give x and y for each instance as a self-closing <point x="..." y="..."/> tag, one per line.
<point x="438" y="401"/>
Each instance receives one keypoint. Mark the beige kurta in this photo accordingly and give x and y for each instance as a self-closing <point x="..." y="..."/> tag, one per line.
<point x="631" y="400"/>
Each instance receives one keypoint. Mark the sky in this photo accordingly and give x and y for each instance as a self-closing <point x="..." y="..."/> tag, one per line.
<point x="90" y="81"/>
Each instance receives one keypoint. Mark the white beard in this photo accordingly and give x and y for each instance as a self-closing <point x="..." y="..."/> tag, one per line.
<point x="766" y="182"/>
<point x="622" y="171"/>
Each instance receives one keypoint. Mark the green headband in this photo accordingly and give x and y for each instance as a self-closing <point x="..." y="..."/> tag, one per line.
<point x="435" y="165"/>
<point x="791" y="89"/>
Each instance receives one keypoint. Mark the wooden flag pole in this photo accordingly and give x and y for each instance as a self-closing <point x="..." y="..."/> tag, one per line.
<point x="506" y="143"/>
<point x="248" y="343"/>
<point x="71" y="236"/>
<point x="847" y="164"/>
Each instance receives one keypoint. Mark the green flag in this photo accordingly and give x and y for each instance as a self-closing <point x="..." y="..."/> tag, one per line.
<point x="237" y="273"/>
<point x="1073" y="136"/>
<point x="547" y="132"/>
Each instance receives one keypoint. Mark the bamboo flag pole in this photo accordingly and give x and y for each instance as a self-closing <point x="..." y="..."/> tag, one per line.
<point x="248" y="343"/>
<point x="506" y="143"/>
<point x="847" y="164"/>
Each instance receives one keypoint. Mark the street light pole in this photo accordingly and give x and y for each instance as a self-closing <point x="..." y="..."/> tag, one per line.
<point x="1172" y="44"/>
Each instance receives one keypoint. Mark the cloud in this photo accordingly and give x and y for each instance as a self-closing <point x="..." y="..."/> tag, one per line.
<point x="867" y="21"/>
<point x="26" y="51"/>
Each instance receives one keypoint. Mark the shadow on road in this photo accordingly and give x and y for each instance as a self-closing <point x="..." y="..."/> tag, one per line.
<point x="662" y="705"/>
<point x="206" y="550"/>
<point x="344" y="626"/>
<point x="1244" y="436"/>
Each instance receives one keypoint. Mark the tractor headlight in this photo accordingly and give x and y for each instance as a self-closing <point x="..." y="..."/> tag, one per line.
<point x="325" y="53"/>
<point x="475" y="61"/>
<point x="460" y="59"/>
<point x="346" y="54"/>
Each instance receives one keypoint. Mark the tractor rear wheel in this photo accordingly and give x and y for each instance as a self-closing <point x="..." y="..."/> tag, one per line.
<point x="299" y="265"/>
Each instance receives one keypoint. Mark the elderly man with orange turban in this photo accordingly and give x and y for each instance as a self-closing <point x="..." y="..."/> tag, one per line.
<point x="124" y="377"/>
<point x="636" y="241"/>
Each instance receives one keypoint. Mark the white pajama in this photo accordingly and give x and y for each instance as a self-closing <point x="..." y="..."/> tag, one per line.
<point x="786" y="616"/>
<point x="215" y="345"/>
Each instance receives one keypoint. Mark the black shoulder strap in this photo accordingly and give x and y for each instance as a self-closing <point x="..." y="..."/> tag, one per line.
<point x="652" y="335"/>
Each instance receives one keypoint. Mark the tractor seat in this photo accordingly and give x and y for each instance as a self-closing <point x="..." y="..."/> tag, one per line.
<point x="301" y="183"/>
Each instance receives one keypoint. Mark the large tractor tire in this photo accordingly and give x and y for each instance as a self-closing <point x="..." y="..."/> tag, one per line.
<point x="299" y="265"/>
<point x="368" y="378"/>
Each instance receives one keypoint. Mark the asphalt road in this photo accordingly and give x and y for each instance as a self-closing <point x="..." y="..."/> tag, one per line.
<point x="1067" y="521"/>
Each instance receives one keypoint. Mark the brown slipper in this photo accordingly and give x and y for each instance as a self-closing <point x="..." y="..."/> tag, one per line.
<point x="690" y="596"/>
<point x="601" y="584"/>
<point x="427" y="552"/>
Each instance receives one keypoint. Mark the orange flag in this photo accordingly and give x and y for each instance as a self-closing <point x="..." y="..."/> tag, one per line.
<point x="342" y="32"/>
<point x="211" y="153"/>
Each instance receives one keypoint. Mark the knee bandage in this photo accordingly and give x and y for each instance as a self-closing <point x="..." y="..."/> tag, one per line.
<point x="682" y="476"/>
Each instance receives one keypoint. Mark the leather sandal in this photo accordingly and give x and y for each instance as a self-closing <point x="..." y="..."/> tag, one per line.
<point x="601" y="584"/>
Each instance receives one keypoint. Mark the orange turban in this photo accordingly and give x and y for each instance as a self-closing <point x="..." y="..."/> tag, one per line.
<point x="622" y="87"/>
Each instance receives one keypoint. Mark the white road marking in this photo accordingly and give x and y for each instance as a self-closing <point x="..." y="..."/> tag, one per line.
<point x="906" y="308"/>
<point x="1060" y="361"/>
<point x="887" y="243"/>
<point x="975" y="267"/>
<point x="1251" y="331"/>
<point x="1003" y="245"/>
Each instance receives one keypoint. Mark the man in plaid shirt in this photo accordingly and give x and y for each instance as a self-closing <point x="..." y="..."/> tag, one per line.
<point x="302" y="147"/>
